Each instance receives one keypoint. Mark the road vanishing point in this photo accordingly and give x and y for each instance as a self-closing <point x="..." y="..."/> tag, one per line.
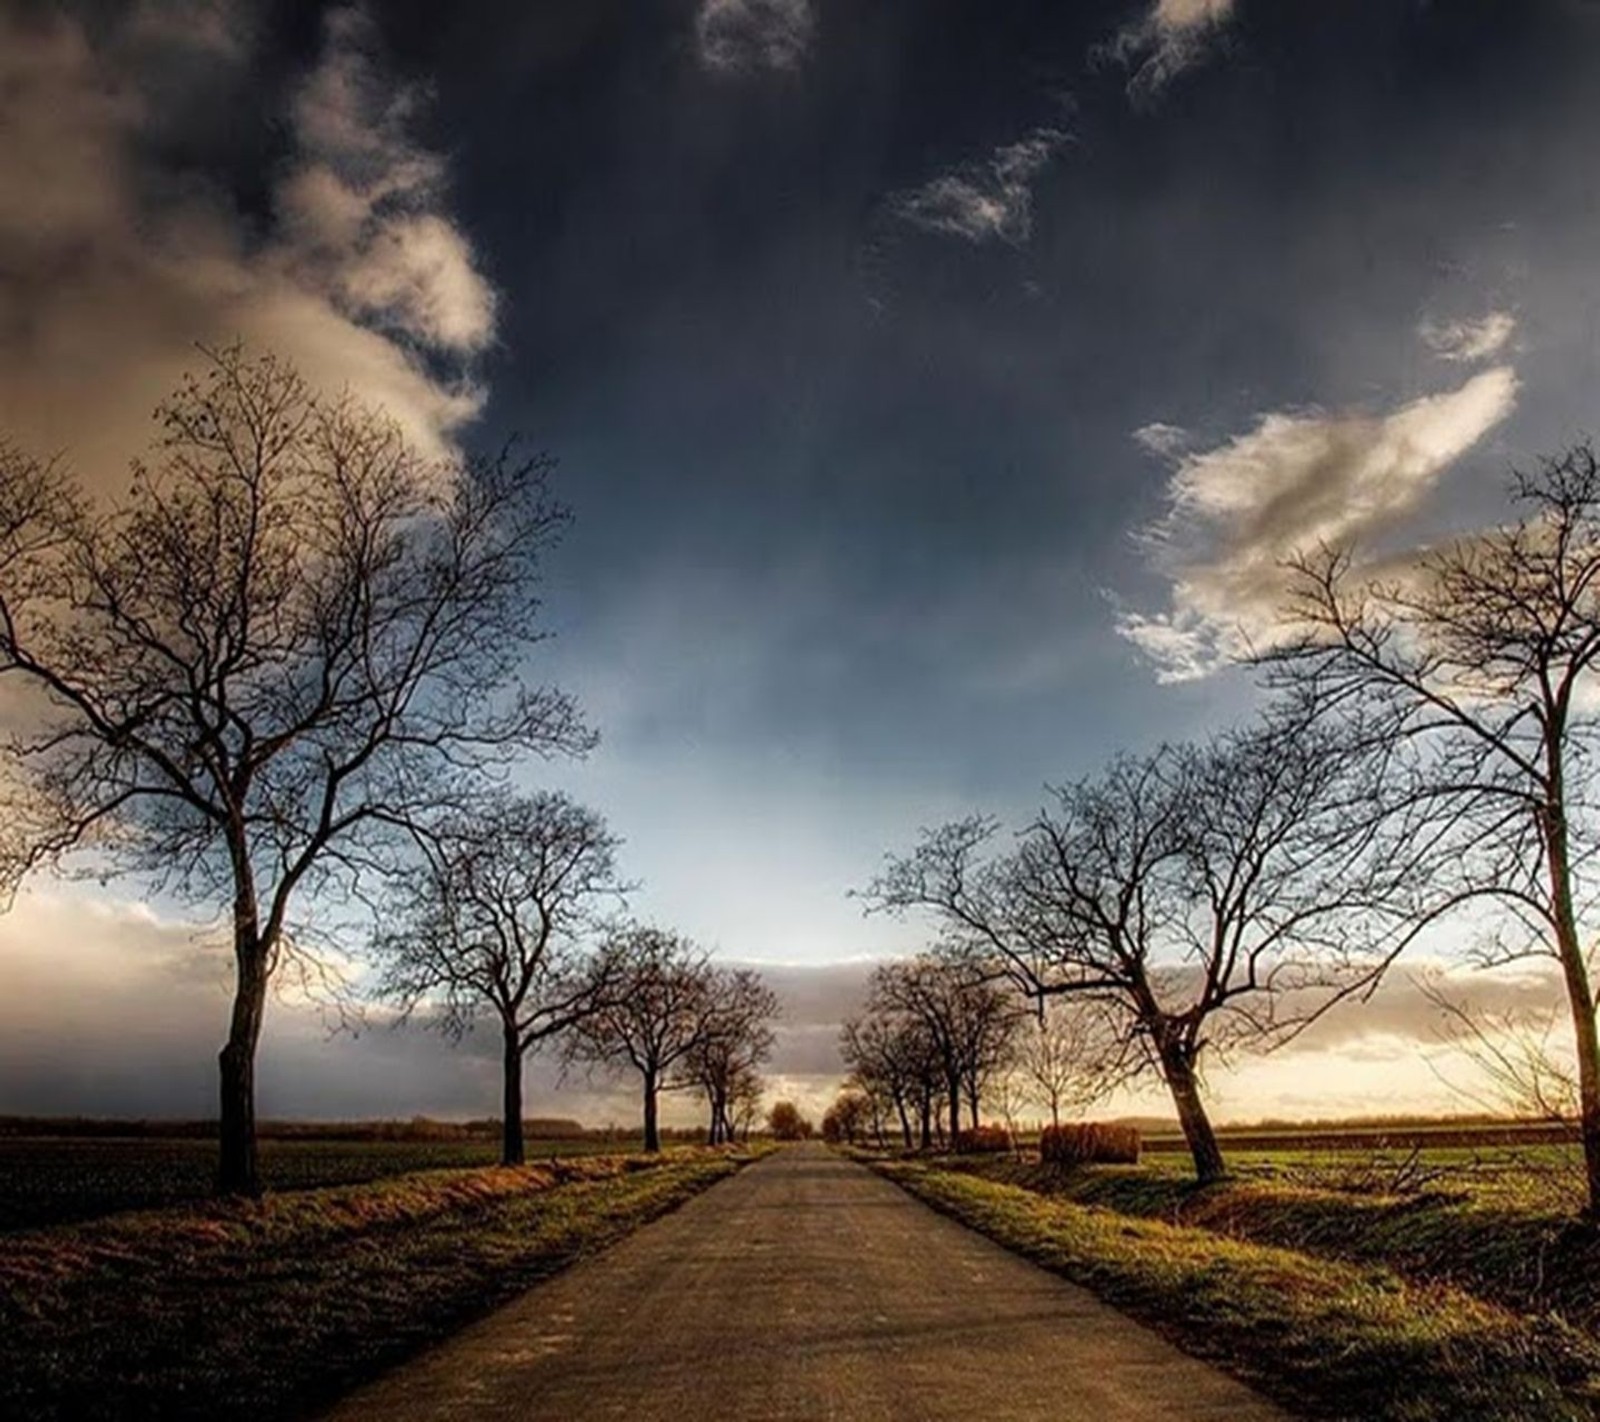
<point x="806" y="1287"/>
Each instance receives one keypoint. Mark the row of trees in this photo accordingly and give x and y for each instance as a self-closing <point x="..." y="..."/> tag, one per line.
<point x="939" y="1033"/>
<point x="285" y="674"/>
<point x="1424" y="748"/>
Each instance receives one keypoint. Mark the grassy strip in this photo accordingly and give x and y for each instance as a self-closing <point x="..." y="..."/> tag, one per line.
<point x="268" y="1310"/>
<point x="1325" y="1338"/>
<point x="1532" y="1259"/>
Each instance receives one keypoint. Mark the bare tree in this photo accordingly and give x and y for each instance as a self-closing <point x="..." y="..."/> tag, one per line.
<point x="660" y="1010"/>
<point x="1484" y="651"/>
<point x="1526" y="1070"/>
<point x="848" y="1117"/>
<point x="966" y="1017"/>
<point x="736" y="1041"/>
<point x="892" y="1058"/>
<point x="290" y="636"/>
<point x="494" y="920"/>
<point x="1067" y="1055"/>
<point x="1209" y="897"/>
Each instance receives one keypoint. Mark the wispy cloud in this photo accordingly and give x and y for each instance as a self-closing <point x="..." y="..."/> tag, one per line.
<point x="1170" y="37"/>
<point x="1469" y="341"/>
<point x="1297" y="480"/>
<point x="986" y="201"/>
<point x="116" y="266"/>
<point x="747" y="36"/>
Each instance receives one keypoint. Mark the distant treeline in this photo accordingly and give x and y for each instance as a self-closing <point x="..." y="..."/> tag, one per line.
<point x="417" y="1128"/>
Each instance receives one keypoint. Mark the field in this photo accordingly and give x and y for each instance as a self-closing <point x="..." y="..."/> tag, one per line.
<point x="268" y="1309"/>
<point x="58" y="1179"/>
<point x="1427" y="1272"/>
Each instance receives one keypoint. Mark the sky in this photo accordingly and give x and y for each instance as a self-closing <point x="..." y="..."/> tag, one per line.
<point x="937" y="388"/>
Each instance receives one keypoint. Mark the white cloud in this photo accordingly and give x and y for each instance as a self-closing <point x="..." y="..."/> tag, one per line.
<point x="1469" y="341"/>
<point x="1296" y="481"/>
<point x="745" y="36"/>
<point x="1171" y="36"/>
<point x="114" y="268"/>
<point x="988" y="200"/>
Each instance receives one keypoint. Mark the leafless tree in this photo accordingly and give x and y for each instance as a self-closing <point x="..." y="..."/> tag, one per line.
<point x="659" y="1010"/>
<point x="246" y="676"/>
<point x="736" y="1041"/>
<point x="967" y="1019"/>
<point x="848" y="1117"/>
<point x="892" y="1058"/>
<point x="1067" y="1054"/>
<point x="1484" y="652"/>
<point x="1209" y="897"/>
<point x="1526" y="1070"/>
<point x="494" y="920"/>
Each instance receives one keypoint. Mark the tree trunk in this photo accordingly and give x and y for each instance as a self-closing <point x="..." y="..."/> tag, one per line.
<point x="1580" y="998"/>
<point x="1177" y="1065"/>
<point x="927" y="1122"/>
<point x="972" y="1103"/>
<point x="905" y="1121"/>
<point x="238" y="1170"/>
<point x="1055" y="1111"/>
<point x="652" y="1131"/>
<point x="955" y="1109"/>
<point x="512" y="1150"/>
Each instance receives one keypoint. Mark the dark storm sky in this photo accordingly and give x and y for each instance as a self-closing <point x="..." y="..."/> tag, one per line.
<point x="855" y="497"/>
<point x="937" y="386"/>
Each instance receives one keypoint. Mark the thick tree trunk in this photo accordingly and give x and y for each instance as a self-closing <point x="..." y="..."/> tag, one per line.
<point x="955" y="1109"/>
<point x="905" y="1121"/>
<point x="512" y="1149"/>
<point x="927" y="1122"/>
<point x="238" y="1170"/>
<point x="1177" y="1065"/>
<point x="652" y="1131"/>
<point x="1580" y="998"/>
<point x="972" y="1103"/>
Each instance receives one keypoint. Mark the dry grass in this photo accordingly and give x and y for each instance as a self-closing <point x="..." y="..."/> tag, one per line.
<point x="268" y="1309"/>
<point x="1328" y="1338"/>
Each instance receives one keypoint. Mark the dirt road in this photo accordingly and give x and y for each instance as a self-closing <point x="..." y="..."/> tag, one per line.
<point x="806" y="1288"/>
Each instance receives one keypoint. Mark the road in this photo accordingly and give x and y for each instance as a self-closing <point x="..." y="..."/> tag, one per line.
<point x="806" y="1287"/>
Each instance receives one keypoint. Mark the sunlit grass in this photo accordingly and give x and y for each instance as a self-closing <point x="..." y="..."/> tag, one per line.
<point x="1329" y="1337"/>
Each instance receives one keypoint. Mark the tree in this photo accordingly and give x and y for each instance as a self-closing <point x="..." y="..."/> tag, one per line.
<point x="289" y="638"/>
<point x="968" y="1018"/>
<point x="659" y="1009"/>
<point x="892" y="1058"/>
<point x="1483" y="650"/>
<point x="847" y="1118"/>
<point x="1066" y="1056"/>
<point x="736" y="1040"/>
<point x="1208" y="897"/>
<point x="494" y="921"/>
<point x="787" y="1124"/>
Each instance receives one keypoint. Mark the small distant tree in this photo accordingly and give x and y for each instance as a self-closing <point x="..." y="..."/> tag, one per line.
<point x="736" y="1040"/>
<point x="847" y="1118"/>
<point x="893" y="1058"/>
<point x="1068" y="1055"/>
<point x="659" y="1008"/>
<point x="494" y="919"/>
<point x="786" y="1123"/>
<point x="245" y="678"/>
<point x="967" y="1014"/>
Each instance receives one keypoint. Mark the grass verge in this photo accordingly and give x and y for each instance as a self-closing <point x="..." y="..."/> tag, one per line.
<point x="269" y="1309"/>
<point x="1326" y="1338"/>
<point x="1531" y="1258"/>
